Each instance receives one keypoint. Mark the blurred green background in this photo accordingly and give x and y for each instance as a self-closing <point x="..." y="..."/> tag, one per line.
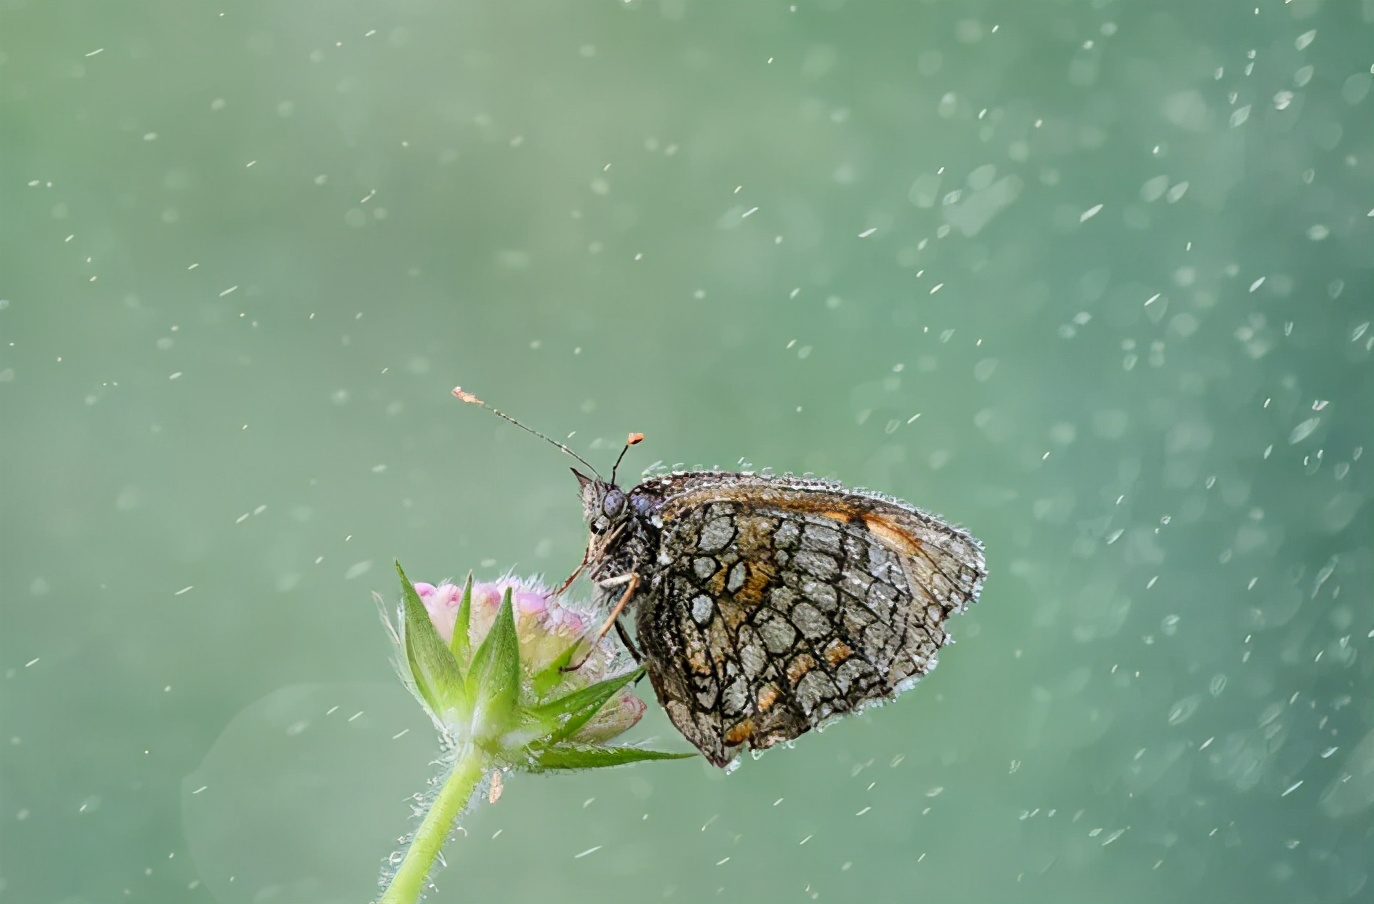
<point x="1095" y="279"/>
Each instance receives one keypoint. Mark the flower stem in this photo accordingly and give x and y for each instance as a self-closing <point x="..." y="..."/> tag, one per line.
<point x="408" y="882"/>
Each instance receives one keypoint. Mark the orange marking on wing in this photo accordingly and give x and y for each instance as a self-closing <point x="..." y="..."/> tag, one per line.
<point x="717" y="583"/>
<point x="755" y="546"/>
<point x="767" y="697"/>
<point x="837" y="652"/>
<point x="798" y="668"/>
<point x="758" y="576"/>
<point x="892" y="535"/>
<point x="844" y="516"/>
<point x="740" y="733"/>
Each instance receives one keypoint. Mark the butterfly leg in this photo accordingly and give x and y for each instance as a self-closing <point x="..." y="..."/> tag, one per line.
<point x="625" y="639"/>
<point x="631" y="585"/>
<point x="572" y="577"/>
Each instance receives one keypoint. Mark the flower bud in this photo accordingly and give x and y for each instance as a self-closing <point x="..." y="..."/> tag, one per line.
<point x="532" y="688"/>
<point x="618" y="715"/>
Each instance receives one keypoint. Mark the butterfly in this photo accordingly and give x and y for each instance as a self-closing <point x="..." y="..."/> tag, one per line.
<point x="767" y="606"/>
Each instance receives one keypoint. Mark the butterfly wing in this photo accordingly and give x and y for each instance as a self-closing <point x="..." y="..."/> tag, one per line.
<point x="779" y="603"/>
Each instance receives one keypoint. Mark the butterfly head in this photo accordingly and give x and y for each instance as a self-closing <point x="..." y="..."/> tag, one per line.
<point x="605" y="506"/>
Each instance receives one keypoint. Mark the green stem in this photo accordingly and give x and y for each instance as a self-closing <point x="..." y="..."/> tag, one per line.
<point x="409" y="881"/>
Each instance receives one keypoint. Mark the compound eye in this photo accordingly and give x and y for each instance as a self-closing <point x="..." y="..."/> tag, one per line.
<point x="614" y="504"/>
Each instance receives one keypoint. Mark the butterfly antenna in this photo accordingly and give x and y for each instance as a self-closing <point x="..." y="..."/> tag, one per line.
<point x="633" y="439"/>
<point x="464" y="396"/>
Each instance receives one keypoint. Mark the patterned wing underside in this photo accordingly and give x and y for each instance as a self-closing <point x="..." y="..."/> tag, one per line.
<point x="765" y="621"/>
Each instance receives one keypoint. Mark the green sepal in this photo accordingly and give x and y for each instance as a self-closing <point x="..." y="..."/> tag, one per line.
<point x="438" y="677"/>
<point x="547" y="679"/>
<point x="494" y="679"/>
<point x="568" y="756"/>
<point x="460" y="644"/>
<point x="569" y="713"/>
